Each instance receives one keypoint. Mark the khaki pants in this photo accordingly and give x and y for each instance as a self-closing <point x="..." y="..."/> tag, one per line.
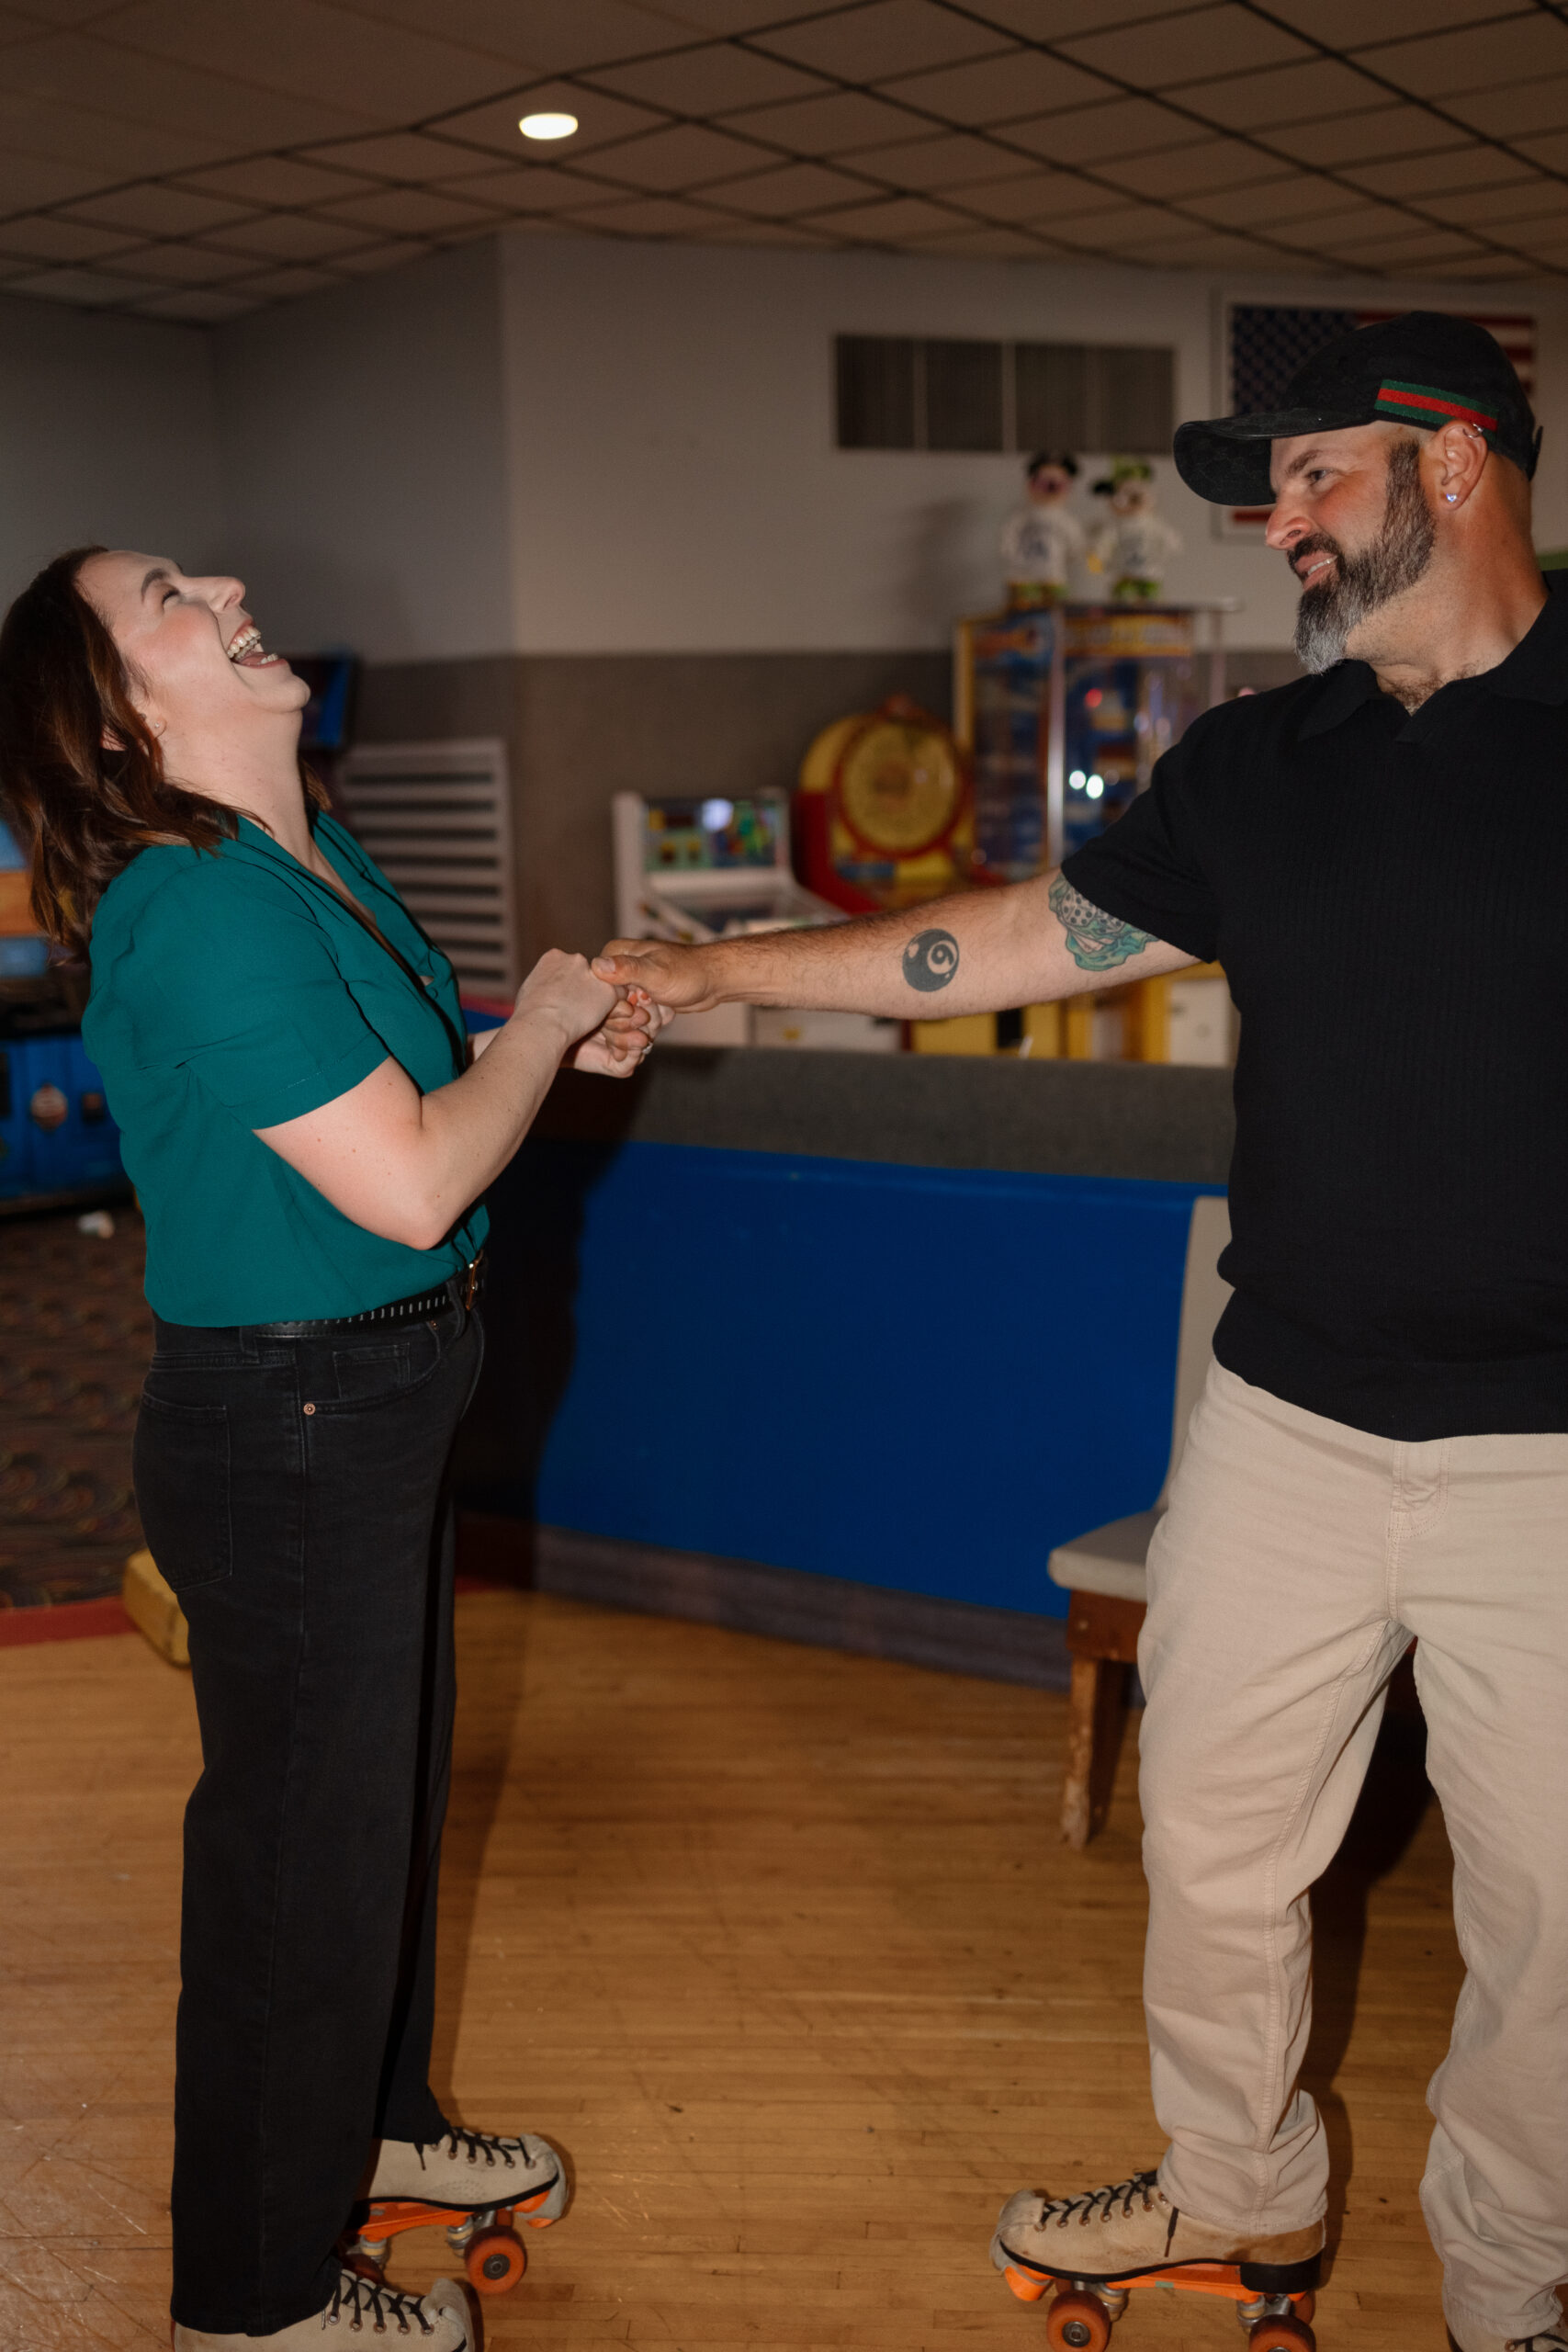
<point x="1297" y="1558"/>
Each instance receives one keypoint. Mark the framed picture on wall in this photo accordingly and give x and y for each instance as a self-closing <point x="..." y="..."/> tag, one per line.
<point x="1263" y="343"/>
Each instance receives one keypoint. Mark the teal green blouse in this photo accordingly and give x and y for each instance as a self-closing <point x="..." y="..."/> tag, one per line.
<point x="233" y="990"/>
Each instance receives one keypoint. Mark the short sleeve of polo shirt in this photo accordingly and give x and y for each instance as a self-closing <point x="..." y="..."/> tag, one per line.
<point x="234" y="980"/>
<point x="1146" y="869"/>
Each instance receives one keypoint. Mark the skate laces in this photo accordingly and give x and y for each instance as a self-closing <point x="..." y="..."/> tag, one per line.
<point x="356" y="2296"/>
<point x="475" y="2144"/>
<point x="1101" y="2204"/>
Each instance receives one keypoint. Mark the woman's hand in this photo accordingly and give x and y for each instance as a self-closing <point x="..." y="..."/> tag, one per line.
<point x="619" y="1047"/>
<point x="562" y="993"/>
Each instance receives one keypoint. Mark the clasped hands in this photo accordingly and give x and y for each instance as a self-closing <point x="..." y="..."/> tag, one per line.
<point x="611" y="1010"/>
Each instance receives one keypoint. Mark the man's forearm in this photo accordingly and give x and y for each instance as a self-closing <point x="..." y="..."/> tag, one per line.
<point x="973" y="952"/>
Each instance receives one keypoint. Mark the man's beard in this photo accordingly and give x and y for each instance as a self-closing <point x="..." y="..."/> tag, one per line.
<point x="1394" y="562"/>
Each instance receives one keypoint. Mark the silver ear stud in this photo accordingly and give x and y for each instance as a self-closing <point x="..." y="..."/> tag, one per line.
<point x="1452" y="497"/>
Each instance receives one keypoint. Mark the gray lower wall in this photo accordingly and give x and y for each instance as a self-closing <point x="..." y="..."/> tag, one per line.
<point x="581" y="728"/>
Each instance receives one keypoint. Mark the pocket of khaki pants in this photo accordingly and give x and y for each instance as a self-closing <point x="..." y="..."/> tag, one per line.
<point x="181" y="1468"/>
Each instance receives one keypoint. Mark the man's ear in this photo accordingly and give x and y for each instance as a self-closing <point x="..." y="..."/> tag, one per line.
<point x="1458" y="454"/>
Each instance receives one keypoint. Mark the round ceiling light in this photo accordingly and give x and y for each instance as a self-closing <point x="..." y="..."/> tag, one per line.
<point x="547" y="126"/>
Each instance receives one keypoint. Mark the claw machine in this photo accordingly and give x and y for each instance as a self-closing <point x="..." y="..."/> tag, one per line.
<point x="1064" y="711"/>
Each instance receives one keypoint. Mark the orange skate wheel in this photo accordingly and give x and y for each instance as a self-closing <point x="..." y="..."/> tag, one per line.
<point x="495" y="2260"/>
<point x="1304" y="2306"/>
<point x="1281" y="2335"/>
<point x="1077" y="2321"/>
<point x="1024" y="2284"/>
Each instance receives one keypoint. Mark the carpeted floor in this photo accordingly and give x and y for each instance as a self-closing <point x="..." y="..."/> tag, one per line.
<point x="75" y="1334"/>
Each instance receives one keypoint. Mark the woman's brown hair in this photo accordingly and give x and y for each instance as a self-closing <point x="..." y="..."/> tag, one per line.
<point x="80" y="773"/>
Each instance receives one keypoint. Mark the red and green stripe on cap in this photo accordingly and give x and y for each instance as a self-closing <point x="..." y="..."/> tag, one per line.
<point x="1428" y="404"/>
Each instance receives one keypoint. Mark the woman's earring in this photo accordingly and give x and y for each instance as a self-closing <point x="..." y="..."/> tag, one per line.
<point x="1452" y="497"/>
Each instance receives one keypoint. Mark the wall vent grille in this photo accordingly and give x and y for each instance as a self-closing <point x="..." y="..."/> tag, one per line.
<point x="437" y="818"/>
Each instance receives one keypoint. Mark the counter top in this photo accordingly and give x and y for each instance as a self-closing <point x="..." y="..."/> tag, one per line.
<point x="1054" y="1118"/>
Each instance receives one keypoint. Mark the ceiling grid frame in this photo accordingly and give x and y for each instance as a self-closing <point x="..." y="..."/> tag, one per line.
<point x="394" y="189"/>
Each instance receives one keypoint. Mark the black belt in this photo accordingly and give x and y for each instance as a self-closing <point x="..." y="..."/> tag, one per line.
<point x="461" y="1290"/>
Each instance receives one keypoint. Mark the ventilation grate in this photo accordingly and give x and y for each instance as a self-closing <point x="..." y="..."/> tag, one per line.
<point x="437" y="818"/>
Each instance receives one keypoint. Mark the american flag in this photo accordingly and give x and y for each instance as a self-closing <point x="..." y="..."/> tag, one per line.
<point x="1267" y="342"/>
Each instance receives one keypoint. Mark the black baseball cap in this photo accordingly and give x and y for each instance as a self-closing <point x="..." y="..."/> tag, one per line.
<point x="1424" y="368"/>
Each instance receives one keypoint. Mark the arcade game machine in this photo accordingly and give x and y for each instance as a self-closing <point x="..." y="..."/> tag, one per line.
<point x="1065" y="711"/>
<point x="59" y="1147"/>
<point x="696" y="870"/>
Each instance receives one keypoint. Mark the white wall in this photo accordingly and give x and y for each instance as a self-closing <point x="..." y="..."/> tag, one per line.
<point x="674" y="483"/>
<point x="108" y="427"/>
<point x="364" y="461"/>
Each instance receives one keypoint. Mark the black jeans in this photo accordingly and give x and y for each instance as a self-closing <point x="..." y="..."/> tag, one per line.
<point x="295" y="1493"/>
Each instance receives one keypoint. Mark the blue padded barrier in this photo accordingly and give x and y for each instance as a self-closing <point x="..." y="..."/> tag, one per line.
<point x="916" y="1377"/>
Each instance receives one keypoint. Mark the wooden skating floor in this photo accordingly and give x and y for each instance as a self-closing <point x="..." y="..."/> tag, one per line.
<point x="779" y="1943"/>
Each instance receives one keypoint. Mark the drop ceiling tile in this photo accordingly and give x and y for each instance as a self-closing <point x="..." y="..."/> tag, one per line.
<point x="1282" y="94"/>
<point x="411" y="211"/>
<point x="1055" y="20"/>
<point x="1522" y="203"/>
<point x="999" y="89"/>
<point x="1352" y="222"/>
<point x="709" y="81"/>
<point x="536" y="188"/>
<point x="1206" y="167"/>
<point x="165" y="95"/>
<point x="179" y="265"/>
<point x="600" y="118"/>
<point x="1097" y="135"/>
<point x="1345" y="24"/>
<point x="42" y="239"/>
<point x="866" y="43"/>
<point x="1207" y="252"/>
<point x="1454" y="167"/>
<point x="400" y="155"/>
<point x="796" y="187"/>
<point x="27" y="181"/>
<point x="1550" y="152"/>
<point x="1043" y="195"/>
<point x="1409" y="254"/>
<point x="1514" y="112"/>
<point x="1185" y="46"/>
<point x="684" y="155"/>
<point x="1366" y="138"/>
<point x="277" y="179"/>
<point x="827" y="125"/>
<point x="159" y="211"/>
<point x="989" y="244"/>
<point x="799" y="234"/>
<point x="1494" y="268"/>
<point x="197" y="305"/>
<point x="290" y="236"/>
<point x="940" y="160"/>
<point x="91" y="289"/>
<point x="392" y="70"/>
<point x="737" y="16"/>
<point x="1269" y="202"/>
<point x="645" y="216"/>
<point x="546" y="36"/>
<point x="369" y="261"/>
<point x="106" y="151"/>
<point x="283" y="285"/>
<point x="1115" y="226"/>
<point x="888" y="223"/>
<point x="1517" y="49"/>
<point x="67" y="12"/>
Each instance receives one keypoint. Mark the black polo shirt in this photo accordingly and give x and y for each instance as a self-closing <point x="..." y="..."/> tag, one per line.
<point x="1388" y="893"/>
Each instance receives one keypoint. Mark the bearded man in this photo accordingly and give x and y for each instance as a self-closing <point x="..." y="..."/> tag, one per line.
<point x="1378" y="855"/>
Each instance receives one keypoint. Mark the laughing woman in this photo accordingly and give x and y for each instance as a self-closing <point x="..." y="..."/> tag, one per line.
<point x="310" y="1136"/>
